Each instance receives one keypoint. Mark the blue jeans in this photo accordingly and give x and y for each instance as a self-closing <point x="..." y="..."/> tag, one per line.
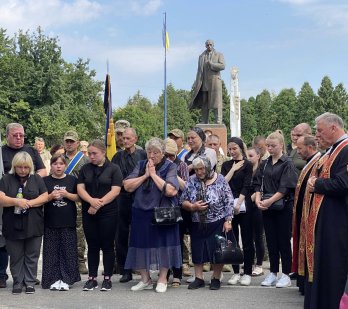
<point x="3" y="262"/>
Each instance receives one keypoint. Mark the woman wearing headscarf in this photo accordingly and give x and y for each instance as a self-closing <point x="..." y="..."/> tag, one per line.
<point x="155" y="184"/>
<point x="238" y="172"/>
<point x="196" y="139"/>
<point x="208" y="197"/>
<point x="22" y="194"/>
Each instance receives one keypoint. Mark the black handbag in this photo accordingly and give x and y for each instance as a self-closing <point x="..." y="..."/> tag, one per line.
<point x="227" y="251"/>
<point x="166" y="215"/>
<point x="277" y="205"/>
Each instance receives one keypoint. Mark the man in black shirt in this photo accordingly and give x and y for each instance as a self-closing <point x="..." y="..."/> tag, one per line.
<point x="126" y="159"/>
<point x="15" y="143"/>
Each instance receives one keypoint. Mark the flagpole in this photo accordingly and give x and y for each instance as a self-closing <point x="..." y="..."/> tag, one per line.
<point x="165" y="75"/>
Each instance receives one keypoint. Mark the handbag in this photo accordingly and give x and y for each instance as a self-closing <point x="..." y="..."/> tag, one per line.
<point x="227" y="251"/>
<point x="277" y="205"/>
<point x="166" y="215"/>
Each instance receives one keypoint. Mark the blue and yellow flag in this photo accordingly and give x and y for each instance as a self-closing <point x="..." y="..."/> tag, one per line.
<point x="110" y="140"/>
<point x="165" y="36"/>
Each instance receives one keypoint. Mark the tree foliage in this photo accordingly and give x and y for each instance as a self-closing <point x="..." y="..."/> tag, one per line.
<point x="48" y="95"/>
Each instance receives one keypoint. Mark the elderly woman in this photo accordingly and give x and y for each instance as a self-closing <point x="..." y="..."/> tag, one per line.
<point x="98" y="185"/>
<point x="208" y="196"/>
<point x="155" y="184"/>
<point x="22" y="194"/>
<point x="196" y="139"/>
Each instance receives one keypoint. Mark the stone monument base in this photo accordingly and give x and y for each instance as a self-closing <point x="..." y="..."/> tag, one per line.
<point x="218" y="129"/>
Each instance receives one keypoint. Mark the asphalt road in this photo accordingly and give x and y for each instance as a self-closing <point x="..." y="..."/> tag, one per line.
<point x="120" y="296"/>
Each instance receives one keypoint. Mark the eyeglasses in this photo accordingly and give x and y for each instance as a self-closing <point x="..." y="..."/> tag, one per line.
<point x="18" y="135"/>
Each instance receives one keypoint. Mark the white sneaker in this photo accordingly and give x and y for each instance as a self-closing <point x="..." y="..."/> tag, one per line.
<point x="234" y="280"/>
<point x="258" y="271"/>
<point x="245" y="280"/>
<point x="161" y="287"/>
<point x="284" y="281"/>
<point x="64" y="286"/>
<point x="55" y="286"/>
<point x="270" y="280"/>
<point x="142" y="286"/>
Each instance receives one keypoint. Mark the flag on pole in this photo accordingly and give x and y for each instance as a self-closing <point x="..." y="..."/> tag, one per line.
<point x="165" y="35"/>
<point x="110" y="130"/>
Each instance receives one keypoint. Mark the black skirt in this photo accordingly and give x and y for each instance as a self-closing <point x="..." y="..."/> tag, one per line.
<point x="203" y="243"/>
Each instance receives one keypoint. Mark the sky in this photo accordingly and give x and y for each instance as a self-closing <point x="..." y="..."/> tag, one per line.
<point x="275" y="44"/>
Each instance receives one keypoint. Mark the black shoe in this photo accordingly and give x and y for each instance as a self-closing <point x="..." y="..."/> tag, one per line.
<point x="90" y="285"/>
<point x="198" y="283"/>
<point x="215" y="284"/>
<point x="29" y="289"/>
<point x="106" y="285"/>
<point x="293" y="276"/>
<point x="126" y="277"/>
<point x="17" y="289"/>
<point x="37" y="281"/>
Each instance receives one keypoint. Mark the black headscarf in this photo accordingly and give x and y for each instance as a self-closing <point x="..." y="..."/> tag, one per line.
<point x="239" y="142"/>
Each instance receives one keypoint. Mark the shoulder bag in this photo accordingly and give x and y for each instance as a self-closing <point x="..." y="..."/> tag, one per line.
<point x="168" y="215"/>
<point x="227" y="251"/>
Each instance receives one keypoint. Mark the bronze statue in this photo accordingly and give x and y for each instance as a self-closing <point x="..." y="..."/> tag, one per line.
<point x="208" y="86"/>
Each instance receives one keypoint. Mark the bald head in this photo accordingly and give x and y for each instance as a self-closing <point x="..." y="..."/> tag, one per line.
<point x="300" y="130"/>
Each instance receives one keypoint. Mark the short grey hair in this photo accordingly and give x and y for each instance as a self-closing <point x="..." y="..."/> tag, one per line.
<point x="330" y="118"/>
<point x="197" y="161"/>
<point x="13" y="125"/>
<point x="39" y="139"/>
<point x="155" y="143"/>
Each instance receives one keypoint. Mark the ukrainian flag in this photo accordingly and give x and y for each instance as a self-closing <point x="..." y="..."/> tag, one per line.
<point x="110" y="130"/>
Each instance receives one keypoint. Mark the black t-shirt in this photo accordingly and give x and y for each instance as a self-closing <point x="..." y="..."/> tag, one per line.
<point x="98" y="181"/>
<point x="25" y="225"/>
<point x="8" y="153"/>
<point x="60" y="213"/>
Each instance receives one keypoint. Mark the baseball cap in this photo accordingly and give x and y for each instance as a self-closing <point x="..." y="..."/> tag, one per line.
<point x="72" y="135"/>
<point x="121" y="125"/>
<point x="177" y="133"/>
<point x="170" y="147"/>
<point x="83" y="145"/>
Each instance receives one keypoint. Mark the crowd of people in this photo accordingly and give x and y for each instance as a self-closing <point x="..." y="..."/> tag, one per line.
<point x="73" y="195"/>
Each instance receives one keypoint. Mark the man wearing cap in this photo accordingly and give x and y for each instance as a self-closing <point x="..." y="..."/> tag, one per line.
<point x="126" y="159"/>
<point x="76" y="159"/>
<point x="120" y="126"/>
<point x="178" y="136"/>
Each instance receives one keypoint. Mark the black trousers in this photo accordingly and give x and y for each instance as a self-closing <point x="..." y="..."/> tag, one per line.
<point x="244" y="221"/>
<point x="100" y="232"/>
<point x="278" y="226"/>
<point x="124" y="218"/>
<point x="258" y="231"/>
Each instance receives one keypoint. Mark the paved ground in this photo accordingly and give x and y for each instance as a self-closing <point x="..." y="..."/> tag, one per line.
<point x="120" y="296"/>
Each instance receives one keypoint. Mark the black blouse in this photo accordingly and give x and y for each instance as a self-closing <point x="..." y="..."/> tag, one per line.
<point x="26" y="225"/>
<point x="279" y="177"/>
<point x="98" y="181"/>
<point x="240" y="183"/>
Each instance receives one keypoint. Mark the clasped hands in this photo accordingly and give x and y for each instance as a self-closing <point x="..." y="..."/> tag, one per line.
<point x="311" y="183"/>
<point x="95" y="205"/>
<point x="22" y="203"/>
<point x="264" y="204"/>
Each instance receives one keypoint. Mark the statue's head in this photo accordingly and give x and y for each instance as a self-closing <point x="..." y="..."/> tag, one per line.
<point x="209" y="44"/>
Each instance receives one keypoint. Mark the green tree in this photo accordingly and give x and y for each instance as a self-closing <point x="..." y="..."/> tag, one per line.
<point x="325" y="93"/>
<point x="340" y="98"/>
<point x="248" y="120"/>
<point x="262" y="110"/>
<point x="307" y="105"/>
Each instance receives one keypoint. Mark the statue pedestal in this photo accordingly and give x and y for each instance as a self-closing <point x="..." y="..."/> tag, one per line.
<point x="218" y="129"/>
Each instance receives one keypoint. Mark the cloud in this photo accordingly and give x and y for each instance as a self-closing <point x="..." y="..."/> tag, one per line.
<point x="298" y="2"/>
<point x="145" y="7"/>
<point x="47" y="13"/>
